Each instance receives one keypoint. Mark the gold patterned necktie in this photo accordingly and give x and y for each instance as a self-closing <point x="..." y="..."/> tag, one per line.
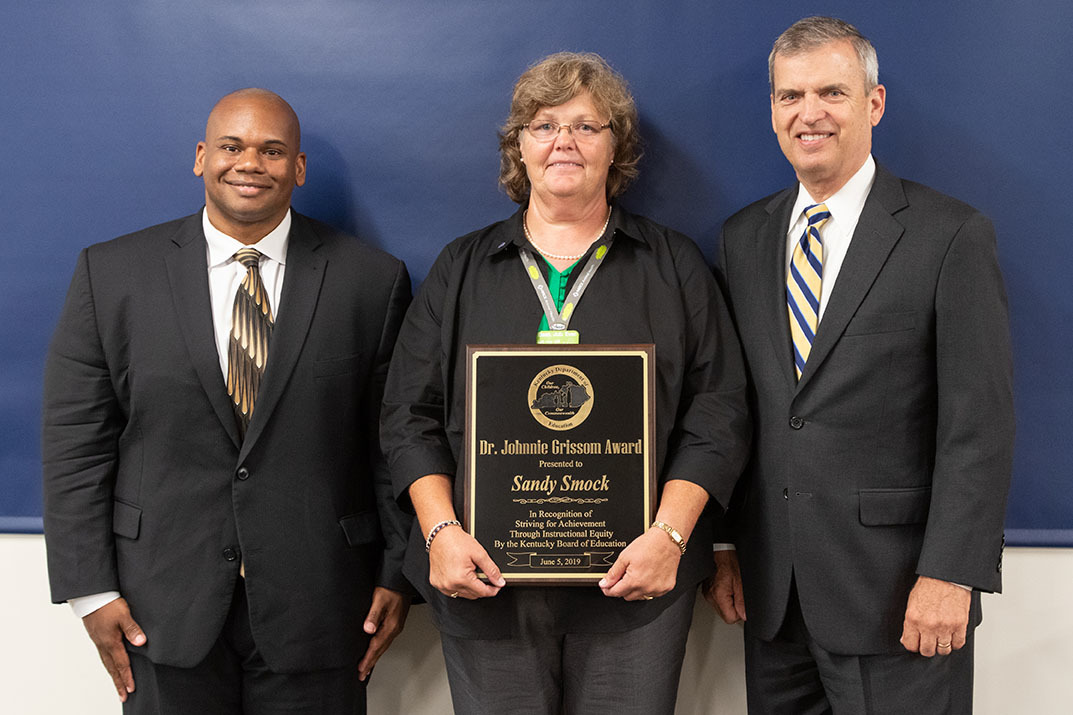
<point x="251" y="329"/>
<point x="803" y="283"/>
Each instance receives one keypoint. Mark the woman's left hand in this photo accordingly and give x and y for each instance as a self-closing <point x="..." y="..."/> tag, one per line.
<point x="645" y="569"/>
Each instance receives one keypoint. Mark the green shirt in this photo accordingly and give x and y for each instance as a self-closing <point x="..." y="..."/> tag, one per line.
<point x="557" y="286"/>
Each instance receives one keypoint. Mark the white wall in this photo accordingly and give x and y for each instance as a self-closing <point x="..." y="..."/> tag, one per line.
<point x="1024" y="649"/>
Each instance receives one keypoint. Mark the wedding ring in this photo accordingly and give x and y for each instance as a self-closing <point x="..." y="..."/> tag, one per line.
<point x="647" y="597"/>
<point x="942" y="645"/>
<point x="454" y="595"/>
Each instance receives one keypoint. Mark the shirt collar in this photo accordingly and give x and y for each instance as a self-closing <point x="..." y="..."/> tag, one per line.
<point x="622" y="223"/>
<point x="847" y="202"/>
<point x="222" y="247"/>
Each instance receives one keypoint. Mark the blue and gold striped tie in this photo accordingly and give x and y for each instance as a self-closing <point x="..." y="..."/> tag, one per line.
<point x="803" y="283"/>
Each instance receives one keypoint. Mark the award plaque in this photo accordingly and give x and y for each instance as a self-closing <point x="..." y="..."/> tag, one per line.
<point x="559" y="456"/>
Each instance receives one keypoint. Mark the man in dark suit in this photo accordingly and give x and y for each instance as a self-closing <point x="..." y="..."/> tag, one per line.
<point x="216" y="506"/>
<point x="874" y="324"/>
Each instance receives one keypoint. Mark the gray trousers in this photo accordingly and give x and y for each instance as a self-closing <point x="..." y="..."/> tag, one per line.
<point x="794" y="675"/>
<point x="544" y="671"/>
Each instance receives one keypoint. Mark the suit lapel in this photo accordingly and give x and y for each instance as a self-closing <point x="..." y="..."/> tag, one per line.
<point x="876" y="234"/>
<point x="189" y="281"/>
<point x="301" y="289"/>
<point x="771" y="269"/>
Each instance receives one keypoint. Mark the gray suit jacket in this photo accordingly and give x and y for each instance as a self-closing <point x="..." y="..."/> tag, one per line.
<point x="148" y="489"/>
<point x="892" y="455"/>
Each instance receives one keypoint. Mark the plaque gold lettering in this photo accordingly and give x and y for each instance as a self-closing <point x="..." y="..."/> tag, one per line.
<point x="559" y="468"/>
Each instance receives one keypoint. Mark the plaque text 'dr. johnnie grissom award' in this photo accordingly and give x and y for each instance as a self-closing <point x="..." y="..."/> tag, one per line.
<point x="559" y="464"/>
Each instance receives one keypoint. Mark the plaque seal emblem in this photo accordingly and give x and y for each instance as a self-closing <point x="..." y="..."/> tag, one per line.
<point x="560" y="397"/>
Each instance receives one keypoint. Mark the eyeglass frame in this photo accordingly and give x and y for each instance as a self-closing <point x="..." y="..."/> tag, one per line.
<point x="570" y="129"/>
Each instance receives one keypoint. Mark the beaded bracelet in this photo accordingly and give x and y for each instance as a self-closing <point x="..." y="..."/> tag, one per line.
<point x="436" y="529"/>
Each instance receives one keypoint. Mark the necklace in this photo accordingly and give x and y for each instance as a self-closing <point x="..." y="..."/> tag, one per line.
<point x="557" y="257"/>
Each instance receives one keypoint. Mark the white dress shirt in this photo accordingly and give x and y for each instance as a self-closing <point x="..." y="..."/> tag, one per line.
<point x="225" y="277"/>
<point x="845" y="206"/>
<point x="226" y="274"/>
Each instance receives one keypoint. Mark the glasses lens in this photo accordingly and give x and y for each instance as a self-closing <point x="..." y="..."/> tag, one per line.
<point x="543" y="130"/>
<point x="586" y="129"/>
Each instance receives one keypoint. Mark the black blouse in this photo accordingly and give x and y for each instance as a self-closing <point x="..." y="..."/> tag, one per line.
<point x="653" y="287"/>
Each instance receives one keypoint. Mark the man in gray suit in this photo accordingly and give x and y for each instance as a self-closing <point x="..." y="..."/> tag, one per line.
<point x="874" y="324"/>
<point x="216" y="506"/>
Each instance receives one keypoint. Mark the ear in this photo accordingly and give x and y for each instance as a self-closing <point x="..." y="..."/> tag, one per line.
<point x="773" y="127"/>
<point x="199" y="159"/>
<point x="300" y="169"/>
<point x="877" y="101"/>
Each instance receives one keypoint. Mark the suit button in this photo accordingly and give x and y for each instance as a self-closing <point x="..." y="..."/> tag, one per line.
<point x="785" y="493"/>
<point x="230" y="554"/>
<point x="796" y="422"/>
<point x="243" y="474"/>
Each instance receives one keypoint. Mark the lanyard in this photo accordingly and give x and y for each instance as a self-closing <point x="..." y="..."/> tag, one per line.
<point x="557" y="320"/>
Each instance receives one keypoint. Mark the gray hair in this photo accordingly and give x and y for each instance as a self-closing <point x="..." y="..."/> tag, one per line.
<point x="812" y="32"/>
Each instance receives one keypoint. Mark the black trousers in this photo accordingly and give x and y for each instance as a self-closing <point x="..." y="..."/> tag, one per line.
<point x="233" y="679"/>
<point x="794" y="675"/>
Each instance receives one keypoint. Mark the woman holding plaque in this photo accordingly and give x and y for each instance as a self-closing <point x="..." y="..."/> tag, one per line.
<point x="570" y="266"/>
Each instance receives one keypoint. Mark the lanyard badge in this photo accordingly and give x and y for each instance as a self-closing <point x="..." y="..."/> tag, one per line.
<point x="558" y="334"/>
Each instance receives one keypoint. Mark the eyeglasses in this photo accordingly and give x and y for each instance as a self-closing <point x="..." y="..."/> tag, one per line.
<point x="544" y="131"/>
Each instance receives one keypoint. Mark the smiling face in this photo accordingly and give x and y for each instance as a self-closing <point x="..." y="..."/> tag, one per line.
<point x="569" y="168"/>
<point x="250" y="163"/>
<point x="823" y="115"/>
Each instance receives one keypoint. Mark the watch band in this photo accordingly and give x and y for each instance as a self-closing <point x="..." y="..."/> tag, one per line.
<point x="673" y="533"/>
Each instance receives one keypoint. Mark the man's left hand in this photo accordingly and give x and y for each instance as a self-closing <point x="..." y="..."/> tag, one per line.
<point x="385" y="620"/>
<point x="723" y="590"/>
<point x="936" y="618"/>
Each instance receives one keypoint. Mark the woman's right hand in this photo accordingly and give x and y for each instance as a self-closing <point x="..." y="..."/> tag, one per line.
<point x="454" y="559"/>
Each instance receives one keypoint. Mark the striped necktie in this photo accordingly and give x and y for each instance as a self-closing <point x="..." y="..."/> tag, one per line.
<point x="803" y="283"/>
<point x="251" y="328"/>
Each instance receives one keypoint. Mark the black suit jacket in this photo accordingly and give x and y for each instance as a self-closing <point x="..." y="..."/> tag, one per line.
<point x="148" y="489"/>
<point x="892" y="455"/>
